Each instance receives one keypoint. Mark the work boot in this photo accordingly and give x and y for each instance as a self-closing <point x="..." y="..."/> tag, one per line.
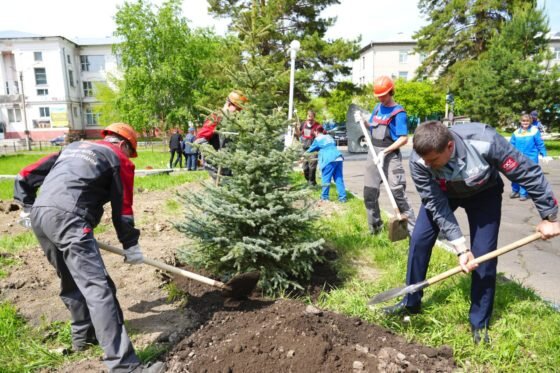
<point x="480" y="335"/>
<point x="514" y="195"/>
<point x="91" y="340"/>
<point x="401" y="309"/>
<point x="157" y="367"/>
<point x="376" y="229"/>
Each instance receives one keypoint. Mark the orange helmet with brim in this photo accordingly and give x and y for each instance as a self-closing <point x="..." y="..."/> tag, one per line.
<point x="125" y="131"/>
<point x="237" y="98"/>
<point x="382" y="85"/>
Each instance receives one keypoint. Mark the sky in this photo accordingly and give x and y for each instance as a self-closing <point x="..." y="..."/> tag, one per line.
<point x="373" y="20"/>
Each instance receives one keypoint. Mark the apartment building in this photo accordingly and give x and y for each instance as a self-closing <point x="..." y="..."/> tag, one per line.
<point x="398" y="60"/>
<point x="47" y="84"/>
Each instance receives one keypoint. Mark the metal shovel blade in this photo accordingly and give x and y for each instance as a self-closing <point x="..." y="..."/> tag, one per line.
<point x="242" y="285"/>
<point x="397" y="229"/>
<point x="397" y="292"/>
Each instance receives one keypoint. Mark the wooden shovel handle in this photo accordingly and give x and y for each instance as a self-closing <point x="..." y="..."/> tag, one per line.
<point x="168" y="268"/>
<point x="491" y="255"/>
<point x="380" y="168"/>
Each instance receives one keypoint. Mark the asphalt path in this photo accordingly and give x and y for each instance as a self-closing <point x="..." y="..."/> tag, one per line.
<point x="535" y="266"/>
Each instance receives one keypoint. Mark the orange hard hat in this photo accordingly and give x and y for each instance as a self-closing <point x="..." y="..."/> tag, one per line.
<point x="237" y="98"/>
<point x="126" y="131"/>
<point x="382" y="85"/>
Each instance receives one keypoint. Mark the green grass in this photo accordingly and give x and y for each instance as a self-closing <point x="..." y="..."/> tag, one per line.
<point x="163" y="181"/>
<point x="552" y="147"/>
<point x="22" y="348"/>
<point x="10" y="246"/>
<point x="525" y="331"/>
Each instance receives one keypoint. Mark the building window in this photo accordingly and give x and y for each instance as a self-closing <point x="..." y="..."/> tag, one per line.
<point x="403" y="75"/>
<point x="403" y="56"/>
<point x="71" y="78"/>
<point x="38" y="56"/>
<point x="68" y="59"/>
<point x="40" y="75"/>
<point x="14" y="115"/>
<point x="42" y="92"/>
<point x="557" y="53"/>
<point x="92" y="119"/>
<point x="44" y="112"/>
<point x="92" y="63"/>
<point x="422" y="57"/>
<point x="88" y="89"/>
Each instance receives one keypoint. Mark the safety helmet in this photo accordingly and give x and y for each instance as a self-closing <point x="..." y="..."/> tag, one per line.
<point x="237" y="98"/>
<point x="125" y="131"/>
<point x="382" y="85"/>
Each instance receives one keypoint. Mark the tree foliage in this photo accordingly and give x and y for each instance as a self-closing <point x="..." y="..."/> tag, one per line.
<point x="279" y="22"/>
<point x="513" y="75"/>
<point x="460" y="30"/>
<point x="255" y="218"/>
<point x="162" y="61"/>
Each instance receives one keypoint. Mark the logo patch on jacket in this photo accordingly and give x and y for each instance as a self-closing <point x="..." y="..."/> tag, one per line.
<point x="509" y="164"/>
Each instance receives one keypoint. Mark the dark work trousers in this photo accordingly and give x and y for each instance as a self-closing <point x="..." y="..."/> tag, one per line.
<point x="85" y="286"/>
<point x="484" y="212"/>
<point x="394" y="171"/>
<point x="178" y="160"/>
<point x="310" y="169"/>
<point x="191" y="161"/>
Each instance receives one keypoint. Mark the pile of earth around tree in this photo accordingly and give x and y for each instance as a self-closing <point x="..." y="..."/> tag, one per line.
<point x="260" y="335"/>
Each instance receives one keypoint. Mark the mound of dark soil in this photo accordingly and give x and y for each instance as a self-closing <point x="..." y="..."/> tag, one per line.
<point x="288" y="336"/>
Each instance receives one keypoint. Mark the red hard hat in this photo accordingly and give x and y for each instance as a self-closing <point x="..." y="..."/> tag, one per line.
<point x="126" y="131"/>
<point x="382" y="85"/>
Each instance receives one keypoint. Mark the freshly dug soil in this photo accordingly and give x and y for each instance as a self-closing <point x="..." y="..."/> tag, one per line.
<point x="287" y="336"/>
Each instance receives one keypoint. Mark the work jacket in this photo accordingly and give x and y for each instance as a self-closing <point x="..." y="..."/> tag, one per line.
<point x="479" y="155"/>
<point x="81" y="179"/>
<point x="328" y="152"/>
<point x="529" y="142"/>
<point x="175" y="142"/>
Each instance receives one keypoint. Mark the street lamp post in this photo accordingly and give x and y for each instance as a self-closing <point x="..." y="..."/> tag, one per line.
<point x="294" y="47"/>
<point x="27" y="139"/>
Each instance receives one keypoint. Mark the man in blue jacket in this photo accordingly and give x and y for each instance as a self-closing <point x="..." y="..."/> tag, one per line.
<point x="459" y="167"/>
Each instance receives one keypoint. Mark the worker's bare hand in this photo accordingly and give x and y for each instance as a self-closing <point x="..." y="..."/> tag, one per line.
<point x="466" y="262"/>
<point x="548" y="229"/>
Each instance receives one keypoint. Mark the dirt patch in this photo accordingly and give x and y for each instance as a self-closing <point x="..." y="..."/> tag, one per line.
<point x="210" y="333"/>
<point x="287" y="336"/>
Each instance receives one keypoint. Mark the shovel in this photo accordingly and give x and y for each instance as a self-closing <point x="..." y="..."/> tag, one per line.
<point x="396" y="292"/>
<point x="239" y="287"/>
<point x="397" y="227"/>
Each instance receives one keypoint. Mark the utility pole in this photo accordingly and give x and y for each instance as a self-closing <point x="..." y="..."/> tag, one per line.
<point x="294" y="47"/>
<point x="27" y="137"/>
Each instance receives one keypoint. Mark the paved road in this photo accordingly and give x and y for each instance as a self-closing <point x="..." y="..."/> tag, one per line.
<point x="536" y="265"/>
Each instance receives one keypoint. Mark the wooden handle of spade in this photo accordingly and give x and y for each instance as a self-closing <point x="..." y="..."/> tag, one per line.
<point x="380" y="168"/>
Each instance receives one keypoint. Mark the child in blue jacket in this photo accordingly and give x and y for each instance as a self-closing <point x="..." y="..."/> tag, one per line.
<point x="527" y="139"/>
<point x="330" y="163"/>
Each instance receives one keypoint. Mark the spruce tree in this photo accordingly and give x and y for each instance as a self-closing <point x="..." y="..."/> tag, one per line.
<point x="256" y="218"/>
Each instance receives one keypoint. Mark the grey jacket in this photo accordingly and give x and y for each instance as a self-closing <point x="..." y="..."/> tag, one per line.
<point x="480" y="154"/>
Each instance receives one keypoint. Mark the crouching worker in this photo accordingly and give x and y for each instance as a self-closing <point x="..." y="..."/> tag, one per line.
<point x="75" y="184"/>
<point x="330" y="163"/>
<point x="460" y="167"/>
